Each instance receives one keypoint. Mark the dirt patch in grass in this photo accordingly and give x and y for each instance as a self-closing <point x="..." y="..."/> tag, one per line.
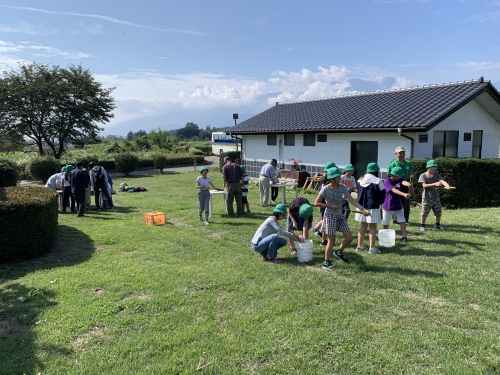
<point x="433" y="300"/>
<point x="87" y="336"/>
<point x="97" y="291"/>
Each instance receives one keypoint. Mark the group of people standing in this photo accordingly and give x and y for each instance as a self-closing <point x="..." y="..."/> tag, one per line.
<point x="78" y="183"/>
<point x="391" y="194"/>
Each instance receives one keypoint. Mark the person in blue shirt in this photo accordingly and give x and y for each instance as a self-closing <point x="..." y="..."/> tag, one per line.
<point x="266" y="178"/>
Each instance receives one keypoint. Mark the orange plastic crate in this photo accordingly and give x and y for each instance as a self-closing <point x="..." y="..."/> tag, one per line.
<point x="155" y="218"/>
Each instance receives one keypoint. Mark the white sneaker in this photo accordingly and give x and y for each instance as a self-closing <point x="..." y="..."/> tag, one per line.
<point x="362" y="248"/>
<point x="273" y="202"/>
<point x="374" y="251"/>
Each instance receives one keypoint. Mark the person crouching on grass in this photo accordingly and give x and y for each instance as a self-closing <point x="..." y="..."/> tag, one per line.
<point x="392" y="203"/>
<point x="333" y="220"/>
<point x="299" y="218"/>
<point x="202" y="184"/>
<point x="266" y="241"/>
<point x="430" y="181"/>
<point x="371" y="194"/>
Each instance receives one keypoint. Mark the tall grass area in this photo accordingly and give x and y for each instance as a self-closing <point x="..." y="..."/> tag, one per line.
<point x="117" y="296"/>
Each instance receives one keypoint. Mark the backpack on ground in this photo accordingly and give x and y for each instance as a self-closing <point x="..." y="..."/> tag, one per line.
<point x="99" y="178"/>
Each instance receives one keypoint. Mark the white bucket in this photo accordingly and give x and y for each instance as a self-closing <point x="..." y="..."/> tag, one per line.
<point x="304" y="251"/>
<point x="387" y="237"/>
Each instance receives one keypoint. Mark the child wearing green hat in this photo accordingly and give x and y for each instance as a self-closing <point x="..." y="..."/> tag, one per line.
<point x="266" y="241"/>
<point x="392" y="204"/>
<point x="322" y="182"/>
<point x="333" y="220"/>
<point x="300" y="217"/>
<point x="348" y="180"/>
<point x="202" y="184"/>
<point x="430" y="181"/>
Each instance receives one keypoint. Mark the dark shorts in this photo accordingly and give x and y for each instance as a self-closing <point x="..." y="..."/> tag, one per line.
<point x="244" y="200"/>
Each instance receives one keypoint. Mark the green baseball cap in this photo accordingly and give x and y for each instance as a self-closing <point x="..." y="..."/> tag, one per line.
<point x="281" y="208"/>
<point x="372" y="168"/>
<point x="349" y="167"/>
<point x="84" y="169"/>
<point x="242" y="168"/>
<point x="397" y="171"/>
<point x="69" y="168"/>
<point x="329" y="165"/>
<point x="305" y="211"/>
<point x="333" y="172"/>
<point x="203" y="169"/>
<point x="64" y="169"/>
<point x="431" y="163"/>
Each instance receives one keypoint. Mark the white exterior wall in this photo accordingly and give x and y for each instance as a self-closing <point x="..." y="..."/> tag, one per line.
<point x="467" y="119"/>
<point x="336" y="149"/>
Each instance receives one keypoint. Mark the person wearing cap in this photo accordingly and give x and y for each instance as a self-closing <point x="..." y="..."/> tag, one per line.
<point x="392" y="204"/>
<point x="300" y="217"/>
<point x="79" y="182"/>
<point x="322" y="182"/>
<point x="348" y="180"/>
<point x="266" y="240"/>
<point x="266" y="178"/>
<point x="67" y="193"/>
<point x="431" y="181"/>
<point x="202" y="184"/>
<point x="333" y="220"/>
<point x="405" y="165"/>
<point x="244" y="192"/>
<point x="371" y="195"/>
<point x="233" y="180"/>
<point x="275" y="190"/>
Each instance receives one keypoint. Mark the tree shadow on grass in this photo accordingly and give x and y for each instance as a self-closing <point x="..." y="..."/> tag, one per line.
<point x="472" y="229"/>
<point x="20" y="306"/>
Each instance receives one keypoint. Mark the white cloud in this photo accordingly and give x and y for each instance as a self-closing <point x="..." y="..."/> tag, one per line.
<point x="493" y="16"/>
<point x="94" y="29"/>
<point x="24" y="27"/>
<point x="10" y="53"/>
<point x="109" y="19"/>
<point x="475" y="66"/>
<point x="147" y="92"/>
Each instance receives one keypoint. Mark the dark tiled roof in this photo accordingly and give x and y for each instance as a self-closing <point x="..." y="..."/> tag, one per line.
<point x="415" y="108"/>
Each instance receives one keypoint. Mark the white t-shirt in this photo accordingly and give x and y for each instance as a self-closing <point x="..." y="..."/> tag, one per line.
<point x="203" y="182"/>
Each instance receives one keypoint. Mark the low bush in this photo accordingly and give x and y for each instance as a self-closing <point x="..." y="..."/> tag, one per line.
<point x="42" y="167"/>
<point x="126" y="163"/>
<point x="462" y="174"/>
<point x="235" y="156"/>
<point x="28" y="221"/>
<point x="8" y="173"/>
<point x="159" y="160"/>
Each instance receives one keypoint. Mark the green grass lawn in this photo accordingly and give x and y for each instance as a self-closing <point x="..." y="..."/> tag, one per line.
<point x="119" y="297"/>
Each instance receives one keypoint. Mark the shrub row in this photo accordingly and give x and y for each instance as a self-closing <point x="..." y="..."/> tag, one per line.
<point x="463" y="174"/>
<point x="235" y="156"/>
<point x="28" y="221"/>
<point x="8" y="173"/>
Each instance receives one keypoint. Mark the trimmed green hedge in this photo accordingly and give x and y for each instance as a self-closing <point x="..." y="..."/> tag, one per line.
<point x="476" y="182"/>
<point x="28" y="222"/>
<point x="235" y="156"/>
<point x="149" y="162"/>
<point x="8" y="173"/>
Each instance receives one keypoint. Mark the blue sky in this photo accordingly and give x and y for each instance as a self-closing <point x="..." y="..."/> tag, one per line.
<point x="203" y="60"/>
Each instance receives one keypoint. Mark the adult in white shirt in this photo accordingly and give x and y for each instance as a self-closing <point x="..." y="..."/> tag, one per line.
<point x="266" y="177"/>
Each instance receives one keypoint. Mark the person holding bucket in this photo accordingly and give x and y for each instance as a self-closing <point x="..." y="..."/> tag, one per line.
<point x="266" y="241"/>
<point x="392" y="203"/>
<point x="371" y="194"/>
<point x="202" y="184"/>
<point x="299" y="218"/>
<point x="333" y="220"/>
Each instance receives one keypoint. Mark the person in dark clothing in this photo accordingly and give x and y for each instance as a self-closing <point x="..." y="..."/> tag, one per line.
<point x="233" y="179"/>
<point x="99" y="182"/>
<point x="79" y="181"/>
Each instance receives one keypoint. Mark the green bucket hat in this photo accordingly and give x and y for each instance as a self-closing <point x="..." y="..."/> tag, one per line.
<point x="69" y="168"/>
<point x="305" y="211"/>
<point x="398" y="171"/>
<point x="281" y="208"/>
<point x="333" y="172"/>
<point x="372" y="168"/>
<point x="203" y="169"/>
<point x="84" y="169"/>
<point x="243" y="168"/>
<point x="349" y="167"/>
<point x="431" y="163"/>
<point x="64" y="169"/>
<point x="329" y="165"/>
